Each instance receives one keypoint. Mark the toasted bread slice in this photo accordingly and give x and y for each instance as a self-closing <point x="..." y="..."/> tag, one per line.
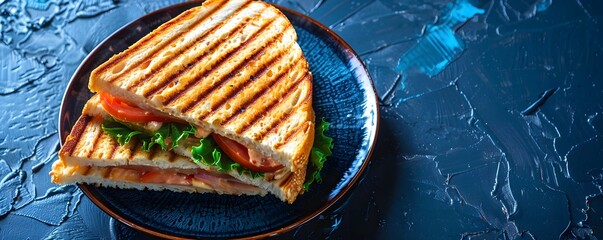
<point x="230" y="67"/>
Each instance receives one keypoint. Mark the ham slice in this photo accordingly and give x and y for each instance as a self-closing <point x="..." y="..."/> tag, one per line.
<point x="182" y="177"/>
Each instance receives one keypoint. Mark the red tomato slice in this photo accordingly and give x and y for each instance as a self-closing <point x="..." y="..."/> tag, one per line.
<point x="126" y="112"/>
<point x="239" y="154"/>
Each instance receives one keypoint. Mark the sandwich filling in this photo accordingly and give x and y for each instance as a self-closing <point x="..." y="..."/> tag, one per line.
<point x="192" y="180"/>
<point x="159" y="128"/>
<point x="198" y="178"/>
<point x="151" y="121"/>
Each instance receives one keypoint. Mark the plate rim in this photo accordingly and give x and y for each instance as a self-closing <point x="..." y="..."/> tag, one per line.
<point x="372" y="138"/>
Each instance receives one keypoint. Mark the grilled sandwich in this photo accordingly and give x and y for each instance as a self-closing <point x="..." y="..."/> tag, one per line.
<point x="91" y="155"/>
<point x="233" y="70"/>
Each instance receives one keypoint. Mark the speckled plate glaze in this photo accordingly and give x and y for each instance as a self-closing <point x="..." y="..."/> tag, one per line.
<point x="343" y="94"/>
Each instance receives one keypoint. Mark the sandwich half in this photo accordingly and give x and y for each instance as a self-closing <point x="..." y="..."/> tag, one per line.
<point x="234" y="72"/>
<point x="91" y="155"/>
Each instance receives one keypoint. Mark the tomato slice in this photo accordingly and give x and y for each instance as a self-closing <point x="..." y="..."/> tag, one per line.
<point x="126" y="112"/>
<point x="240" y="154"/>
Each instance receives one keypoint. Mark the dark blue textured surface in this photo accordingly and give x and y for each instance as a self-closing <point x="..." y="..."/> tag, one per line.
<point x="343" y="95"/>
<point x="461" y="153"/>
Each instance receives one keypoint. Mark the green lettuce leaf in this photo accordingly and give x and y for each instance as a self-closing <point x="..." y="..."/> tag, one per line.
<point x="181" y="132"/>
<point x="176" y="132"/>
<point x="322" y="148"/>
<point x="118" y="131"/>
<point x="207" y="153"/>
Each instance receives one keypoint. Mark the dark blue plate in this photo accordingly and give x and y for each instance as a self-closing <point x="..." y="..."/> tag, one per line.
<point x="343" y="94"/>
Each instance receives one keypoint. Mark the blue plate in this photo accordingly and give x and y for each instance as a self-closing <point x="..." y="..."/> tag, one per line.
<point x="343" y="95"/>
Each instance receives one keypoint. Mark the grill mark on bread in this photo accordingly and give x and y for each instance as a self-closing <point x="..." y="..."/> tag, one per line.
<point x="221" y="83"/>
<point x="198" y="40"/>
<point x="86" y="171"/>
<point x="180" y="51"/>
<point x="95" y="144"/>
<point x="76" y="134"/>
<point x="144" y="43"/>
<point x="106" y="172"/>
<point x="256" y="56"/>
<point x="160" y="47"/>
<point x="171" y="156"/>
<point x="135" y="145"/>
<point x="152" y="153"/>
<point x="170" y="99"/>
<point x="114" y="145"/>
<point x="290" y="134"/>
<point x="259" y="73"/>
<point x="282" y="75"/>
<point x="273" y="126"/>
<point x="214" y="45"/>
<point x="268" y="108"/>
<point x="286" y="180"/>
